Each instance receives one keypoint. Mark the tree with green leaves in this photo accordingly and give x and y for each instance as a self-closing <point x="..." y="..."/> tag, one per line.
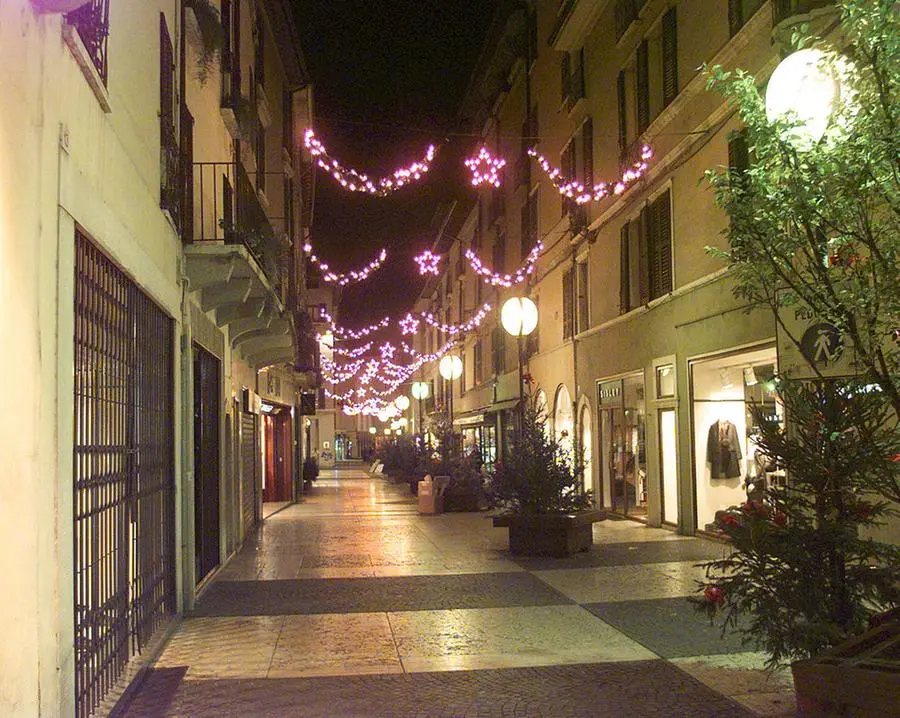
<point x="815" y="232"/>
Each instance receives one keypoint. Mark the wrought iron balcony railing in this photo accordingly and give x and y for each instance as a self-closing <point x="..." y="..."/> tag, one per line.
<point x="92" y="22"/>
<point x="227" y="210"/>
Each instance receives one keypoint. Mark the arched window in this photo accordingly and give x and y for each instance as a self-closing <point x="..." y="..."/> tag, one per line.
<point x="563" y="421"/>
<point x="586" y="446"/>
<point x="543" y="413"/>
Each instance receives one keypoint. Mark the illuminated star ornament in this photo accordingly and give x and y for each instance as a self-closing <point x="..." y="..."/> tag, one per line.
<point x="428" y="263"/>
<point x="485" y="168"/>
<point x="387" y="351"/>
<point x="409" y="324"/>
<point x="354" y="181"/>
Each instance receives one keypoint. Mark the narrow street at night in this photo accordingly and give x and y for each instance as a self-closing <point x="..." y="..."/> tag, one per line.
<point x="351" y="604"/>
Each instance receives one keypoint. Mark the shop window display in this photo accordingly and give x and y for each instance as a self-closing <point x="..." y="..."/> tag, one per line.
<point x="729" y="467"/>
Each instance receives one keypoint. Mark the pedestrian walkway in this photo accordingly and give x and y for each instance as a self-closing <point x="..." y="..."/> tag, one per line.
<point x="350" y="604"/>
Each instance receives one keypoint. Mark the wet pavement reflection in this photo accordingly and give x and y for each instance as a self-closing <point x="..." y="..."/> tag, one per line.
<point x="351" y="604"/>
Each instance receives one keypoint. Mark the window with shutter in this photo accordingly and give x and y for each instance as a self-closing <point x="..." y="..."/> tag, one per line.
<point x="565" y="73"/>
<point x="669" y="57"/>
<point x="462" y="377"/>
<point x="740" y="11"/>
<point x="738" y="154"/>
<point x="170" y="175"/>
<point x="643" y="87"/>
<point x="568" y="309"/>
<point x="587" y="156"/>
<point x="623" y="119"/>
<point x="582" y="314"/>
<point x="641" y="242"/>
<point x="624" y="275"/>
<point x="660" y="246"/>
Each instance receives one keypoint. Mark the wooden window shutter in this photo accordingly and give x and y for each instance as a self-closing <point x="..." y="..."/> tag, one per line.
<point x="643" y="88"/>
<point x="624" y="289"/>
<point x="587" y="139"/>
<point x="166" y="79"/>
<point x="644" y="245"/>
<point x="568" y="309"/>
<point x="623" y="124"/>
<point x="738" y="153"/>
<point x="735" y="17"/>
<point x="663" y="221"/>
<point x="660" y="233"/>
<point x="565" y="77"/>
<point x="225" y="17"/>
<point x="670" y="56"/>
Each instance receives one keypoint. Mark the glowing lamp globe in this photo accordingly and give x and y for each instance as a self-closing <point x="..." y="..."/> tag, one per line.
<point x="383" y="415"/>
<point x="519" y="316"/>
<point x="804" y="87"/>
<point x="420" y="390"/>
<point x="372" y="429"/>
<point x="402" y="422"/>
<point x="387" y="432"/>
<point x="451" y="367"/>
<point x="402" y="402"/>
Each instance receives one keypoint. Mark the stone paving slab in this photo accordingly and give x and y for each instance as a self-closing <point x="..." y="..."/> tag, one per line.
<point x="631" y="554"/>
<point x="670" y="627"/>
<point x="651" y="689"/>
<point x="367" y="595"/>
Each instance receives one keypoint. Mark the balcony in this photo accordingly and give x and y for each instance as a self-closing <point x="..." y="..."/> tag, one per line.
<point x="574" y="19"/>
<point x="240" y="261"/>
<point x="787" y="9"/>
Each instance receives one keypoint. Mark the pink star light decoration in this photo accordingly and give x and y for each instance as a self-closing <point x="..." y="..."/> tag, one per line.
<point x="485" y="168"/>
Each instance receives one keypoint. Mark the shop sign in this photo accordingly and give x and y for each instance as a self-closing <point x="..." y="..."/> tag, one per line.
<point x="608" y="391"/>
<point x="822" y="349"/>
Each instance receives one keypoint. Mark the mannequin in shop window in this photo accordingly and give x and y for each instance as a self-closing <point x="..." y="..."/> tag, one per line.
<point x="723" y="450"/>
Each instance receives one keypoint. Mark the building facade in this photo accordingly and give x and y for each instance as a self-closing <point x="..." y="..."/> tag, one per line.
<point x="154" y="200"/>
<point x="643" y="359"/>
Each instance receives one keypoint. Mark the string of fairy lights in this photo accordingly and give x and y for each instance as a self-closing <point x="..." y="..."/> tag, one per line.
<point x="366" y="378"/>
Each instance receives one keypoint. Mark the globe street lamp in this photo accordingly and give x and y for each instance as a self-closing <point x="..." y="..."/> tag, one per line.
<point x="519" y="317"/>
<point x="402" y="402"/>
<point x="451" y="367"/>
<point x="420" y="391"/>
<point x="804" y="87"/>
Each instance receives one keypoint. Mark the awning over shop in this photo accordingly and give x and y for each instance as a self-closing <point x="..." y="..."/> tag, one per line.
<point x="470" y="418"/>
<point x="499" y="406"/>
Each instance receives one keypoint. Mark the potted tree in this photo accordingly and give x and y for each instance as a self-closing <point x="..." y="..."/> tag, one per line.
<point x="540" y="492"/>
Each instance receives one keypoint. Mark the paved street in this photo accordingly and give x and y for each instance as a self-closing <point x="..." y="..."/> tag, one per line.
<point x="350" y="604"/>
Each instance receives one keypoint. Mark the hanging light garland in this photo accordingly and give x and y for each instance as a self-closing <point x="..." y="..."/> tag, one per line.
<point x="576" y="191"/>
<point x="457" y="328"/>
<point x="343" y="332"/>
<point x="428" y="263"/>
<point x="495" y="279"/>
<point x="342" y="280"/>
<point x="485" y="168"/>
<point x="353" y="353"/>
<point x="354" y="181"/>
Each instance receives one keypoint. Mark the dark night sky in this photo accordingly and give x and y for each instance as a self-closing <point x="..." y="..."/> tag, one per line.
<point x="388" y="78"/>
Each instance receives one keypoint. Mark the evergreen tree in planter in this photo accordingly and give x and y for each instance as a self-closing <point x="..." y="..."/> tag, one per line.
<point x="814" y="232"/>
<point x="803" y="576"/>
<point x="539" y="487"/>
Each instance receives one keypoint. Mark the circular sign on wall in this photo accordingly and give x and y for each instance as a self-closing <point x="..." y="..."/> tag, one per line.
<point x="822" y="344"/>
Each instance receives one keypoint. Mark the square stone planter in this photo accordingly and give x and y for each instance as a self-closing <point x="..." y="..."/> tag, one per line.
<point x="556" y="535"/>
<point x="860" y="677"/>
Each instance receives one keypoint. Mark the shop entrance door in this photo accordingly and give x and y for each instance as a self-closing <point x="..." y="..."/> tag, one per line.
<point x="623" y="462"/>
<point x="206" y="462"/>
<point x="279" y="461"/>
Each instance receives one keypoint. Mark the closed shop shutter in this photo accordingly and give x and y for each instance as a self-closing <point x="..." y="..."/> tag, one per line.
<point x="248" y="471"/>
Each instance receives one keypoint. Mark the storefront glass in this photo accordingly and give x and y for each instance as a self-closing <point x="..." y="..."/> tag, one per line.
<point x="728" y="467"/>
<point x="623" y="458"/>
<point x="586" y="455"/>
<point x="563" y="423"/>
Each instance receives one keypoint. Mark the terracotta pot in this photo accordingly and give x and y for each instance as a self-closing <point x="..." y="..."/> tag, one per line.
<point x="57" y="6"/>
